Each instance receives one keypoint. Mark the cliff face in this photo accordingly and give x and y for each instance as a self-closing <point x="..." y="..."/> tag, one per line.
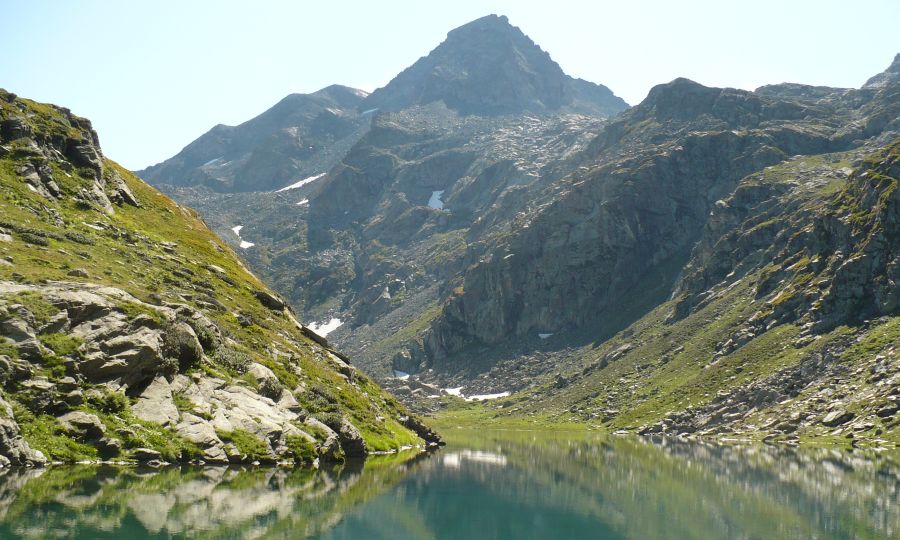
<point x="618" y="229"/>
<point x="127" y="328"/>
<point x="784" y="324"/>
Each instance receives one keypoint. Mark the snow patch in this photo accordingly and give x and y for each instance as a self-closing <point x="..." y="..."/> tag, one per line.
<point x="370" y="111"/>
<point x="402" y="375"/>
<point x="453" y="391"/>
<point x="300" y="183"/>
<point x="544" y="336"/>
<point x="323" y="329"/>
<point x="302" y="202"/>
<point x="210" y="162"/>
<point x="435" y="200"/>
<point x="243" y="243"/>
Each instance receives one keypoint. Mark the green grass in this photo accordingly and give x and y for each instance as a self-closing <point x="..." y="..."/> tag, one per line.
<point x="44" y="433"/>
<point x="303" y="450"/>
<point x="61" y="344"/>
<point x="42" y="310"/>
<point x="248" y="444"/>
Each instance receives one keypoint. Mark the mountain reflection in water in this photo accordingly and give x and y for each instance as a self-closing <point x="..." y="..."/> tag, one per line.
<point x="511" y="484"/>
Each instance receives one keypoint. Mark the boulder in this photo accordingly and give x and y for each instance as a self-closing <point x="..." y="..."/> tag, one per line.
<point x="837" y="418"/>
<point x="270" y="300"/>
<point x="352" y="441"/>
<point x="330" y="448"/>
<point x="155" y="404"/>
<point x="83" y="425"/>
<point x="145" y="454"/>
<point x="200" y="432"/>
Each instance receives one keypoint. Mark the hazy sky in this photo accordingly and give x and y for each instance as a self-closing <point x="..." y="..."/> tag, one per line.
<point x="153" y="76"/>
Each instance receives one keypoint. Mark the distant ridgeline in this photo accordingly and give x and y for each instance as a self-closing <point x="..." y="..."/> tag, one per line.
<point x="712" y="261"/>
<point x="128" y="330"/>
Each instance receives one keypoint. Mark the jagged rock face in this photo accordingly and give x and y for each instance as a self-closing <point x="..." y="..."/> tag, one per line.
<point x="784" y="324"/>
<point x="301" y="136"/>
<point x="829" y="262"/>
<point x="631" y="213"/>
<point x="489" y="67"/>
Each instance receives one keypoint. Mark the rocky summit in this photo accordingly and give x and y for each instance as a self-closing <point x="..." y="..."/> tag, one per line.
<point x="489" y="67"/>
<point x="711" y="261"/>
<point x="129" y="331"/>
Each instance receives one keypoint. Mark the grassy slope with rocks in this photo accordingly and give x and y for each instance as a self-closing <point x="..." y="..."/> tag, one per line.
<point x="194" y="344"/>
<point x="776" y="332"/>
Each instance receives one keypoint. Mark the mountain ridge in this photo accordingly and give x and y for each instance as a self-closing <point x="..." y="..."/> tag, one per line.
<point x="469" y="246"/>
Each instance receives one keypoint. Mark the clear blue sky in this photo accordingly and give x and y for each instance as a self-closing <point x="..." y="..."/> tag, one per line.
<point x="154" y="75"/>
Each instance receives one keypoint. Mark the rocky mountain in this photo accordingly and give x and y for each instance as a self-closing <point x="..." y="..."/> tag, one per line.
<point x="705" y="261"/>
<point x="128" y="330"/>
<point x="489" y="67"/>
<point x="301" y="136"/>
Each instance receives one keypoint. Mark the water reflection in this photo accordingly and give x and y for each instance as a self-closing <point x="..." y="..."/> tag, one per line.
<point x="484" y="485"/>
<point x="532" y="485"/>
<point x="188" y="502"/>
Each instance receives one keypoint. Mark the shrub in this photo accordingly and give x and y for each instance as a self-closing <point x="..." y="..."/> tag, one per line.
<point x="303" y="450"/>
<point x="180" y="344"/>
<point x="271" y="388"/>
<point x="234" y="361"/>
<point x="108" y="401"/>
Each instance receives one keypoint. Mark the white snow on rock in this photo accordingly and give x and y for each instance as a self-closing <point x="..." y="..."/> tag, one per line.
<point x="544" y="336"/>
<point x="402" y="375"/>
<point x="244" y="244"/>
<point x="368" y="111"/>
<point x="210" y="162"/>
<point x="302" y="202"/>
<point x="323" y="329"/>
<point x="300" y="183"/>
<point x="435" y="200"/>
<point x="453" y="391"/>
<point x="484" y="397"/>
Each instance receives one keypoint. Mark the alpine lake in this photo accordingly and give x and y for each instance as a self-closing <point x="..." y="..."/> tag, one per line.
<point x="493" y="484"/>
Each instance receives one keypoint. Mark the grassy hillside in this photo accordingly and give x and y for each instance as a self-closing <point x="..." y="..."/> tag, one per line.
<point x="70" y="215"/>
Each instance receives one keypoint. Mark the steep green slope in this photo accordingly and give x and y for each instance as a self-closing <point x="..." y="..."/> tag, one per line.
<point x="129" y="329"/>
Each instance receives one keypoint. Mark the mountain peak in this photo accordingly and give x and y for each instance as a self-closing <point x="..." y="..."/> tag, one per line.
<point x="487" y="22"/>
<point x="490" y="67"/>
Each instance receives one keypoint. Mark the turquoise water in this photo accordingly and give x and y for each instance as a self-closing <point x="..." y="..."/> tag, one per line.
<point x="482" y="485"/>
